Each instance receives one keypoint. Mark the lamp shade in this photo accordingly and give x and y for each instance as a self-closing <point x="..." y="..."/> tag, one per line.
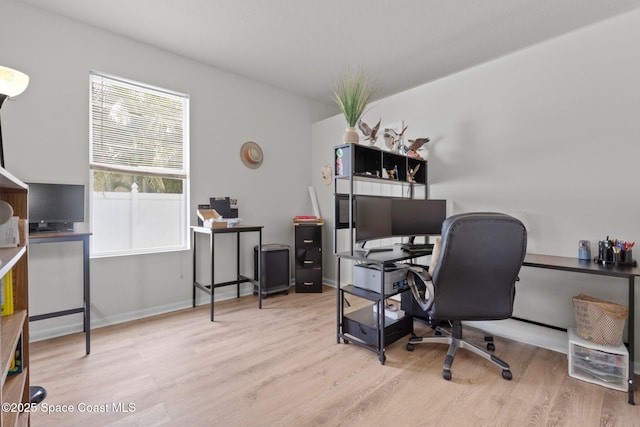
<point x="12" y="82"/>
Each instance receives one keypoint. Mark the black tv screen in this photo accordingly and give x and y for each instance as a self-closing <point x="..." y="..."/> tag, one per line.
<point x="51" y="206"/>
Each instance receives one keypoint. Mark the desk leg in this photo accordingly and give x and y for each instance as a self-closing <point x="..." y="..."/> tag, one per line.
<point x="238" y="265"/>
<point x="339" y="304"/>
<point x="212" y="246"/>
<point x="87" y="297"/>
<point x="260" y="268"/>
<point x="631" y="340"/>
<point x="381" y="307"/>
<point x="193" y="283"/>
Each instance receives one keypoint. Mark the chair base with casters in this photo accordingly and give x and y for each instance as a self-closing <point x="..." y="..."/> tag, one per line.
<point x="455" y="341"/>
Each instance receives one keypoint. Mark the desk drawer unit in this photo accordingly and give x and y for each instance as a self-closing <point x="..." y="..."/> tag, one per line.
<point x="308" y="258"/>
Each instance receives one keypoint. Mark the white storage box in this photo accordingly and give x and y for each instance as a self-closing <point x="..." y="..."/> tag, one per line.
<point x="598" y="364"/>
<point x="392" y="312"/>
<point x="367" y="276"/>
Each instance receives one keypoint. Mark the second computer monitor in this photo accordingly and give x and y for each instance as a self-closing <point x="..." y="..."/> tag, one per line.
<point x="379" y="217"/>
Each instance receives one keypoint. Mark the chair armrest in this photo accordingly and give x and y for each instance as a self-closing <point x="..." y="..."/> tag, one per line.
<point x="421" y="286"/>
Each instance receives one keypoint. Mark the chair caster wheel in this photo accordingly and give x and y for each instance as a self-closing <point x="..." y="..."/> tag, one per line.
<point x="37" y="394"/>
<point x="490" y="345"/>
<point x="410" y="347"/>
<point x="507" y="375"/>
<point x="446" y="375"/>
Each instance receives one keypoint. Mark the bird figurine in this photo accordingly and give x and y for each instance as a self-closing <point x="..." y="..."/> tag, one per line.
<point x="392" y="139"/>
<point x="412" y="173"/>
<point x="388" y="139"/>
<point x="371" y="134"/>
<point x="416" y="144"/>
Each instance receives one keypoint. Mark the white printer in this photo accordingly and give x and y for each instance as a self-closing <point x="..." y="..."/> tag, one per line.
<point x="367" y="276"/>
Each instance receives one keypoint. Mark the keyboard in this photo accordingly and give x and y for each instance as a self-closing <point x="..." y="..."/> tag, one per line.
<point x="366" y="252"/>
<point x="417" y="247"/>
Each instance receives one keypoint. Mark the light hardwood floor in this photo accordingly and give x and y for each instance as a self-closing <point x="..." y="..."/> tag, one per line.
<point x="281" y="366"/>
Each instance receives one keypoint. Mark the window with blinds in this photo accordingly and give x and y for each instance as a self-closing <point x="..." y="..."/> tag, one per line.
<point x="138" y="157"/>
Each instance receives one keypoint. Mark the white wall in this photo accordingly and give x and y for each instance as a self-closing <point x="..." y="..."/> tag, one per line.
<point x="550" y="134"/>
<point x="46" y="133"/>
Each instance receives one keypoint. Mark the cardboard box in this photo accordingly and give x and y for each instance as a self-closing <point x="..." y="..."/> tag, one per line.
<point x="211" y="218"/>
<point x="208" y="214"/>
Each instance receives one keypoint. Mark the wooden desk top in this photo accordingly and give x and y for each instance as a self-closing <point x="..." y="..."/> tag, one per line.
<point x="57" y="235"/>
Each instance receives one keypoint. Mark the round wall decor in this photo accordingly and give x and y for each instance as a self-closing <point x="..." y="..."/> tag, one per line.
<point x="327" y="174"/>
<point x="251" y="155"/>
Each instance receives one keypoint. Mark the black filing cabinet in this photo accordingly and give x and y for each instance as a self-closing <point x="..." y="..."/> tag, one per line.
<point x="308" y="257"/>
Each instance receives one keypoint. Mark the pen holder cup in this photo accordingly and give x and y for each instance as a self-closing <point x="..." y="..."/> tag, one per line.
<point x="626" y="256"/>
<point x="605" y="253"/>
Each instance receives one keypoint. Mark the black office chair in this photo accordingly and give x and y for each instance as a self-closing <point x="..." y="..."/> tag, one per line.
<point x="473" y="279"/>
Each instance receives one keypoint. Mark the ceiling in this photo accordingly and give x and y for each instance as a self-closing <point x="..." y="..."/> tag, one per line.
<point x="301" y="45"/>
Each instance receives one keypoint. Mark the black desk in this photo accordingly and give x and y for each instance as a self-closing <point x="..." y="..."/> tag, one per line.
<point x="211" y="232"/>
<point x="70" y="236"/>
<point x="587" y="267"/>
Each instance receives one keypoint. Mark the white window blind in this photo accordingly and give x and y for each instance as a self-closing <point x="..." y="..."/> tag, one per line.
<point x="137" y="129"/>
<point x="138" y="156"/>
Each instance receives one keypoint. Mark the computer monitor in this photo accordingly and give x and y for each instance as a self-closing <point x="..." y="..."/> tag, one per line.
<point x="379" y="217"/>
<point x="55" y="207"/>
<point x="415" y="217"/>
<point x="373" y="218"/>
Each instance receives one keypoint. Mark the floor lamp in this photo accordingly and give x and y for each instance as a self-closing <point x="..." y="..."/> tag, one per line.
<point x="12" y="83"/>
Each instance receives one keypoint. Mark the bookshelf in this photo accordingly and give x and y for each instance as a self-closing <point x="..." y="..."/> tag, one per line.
<point x="14" y="328"/>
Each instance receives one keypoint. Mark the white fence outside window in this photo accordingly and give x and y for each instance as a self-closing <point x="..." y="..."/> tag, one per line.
<point x="145" y="222"/>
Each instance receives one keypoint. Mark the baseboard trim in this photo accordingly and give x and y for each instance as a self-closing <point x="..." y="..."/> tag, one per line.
<point x="221" y="294"/>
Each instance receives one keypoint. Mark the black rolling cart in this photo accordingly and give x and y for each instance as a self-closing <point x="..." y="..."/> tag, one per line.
<point x="365" y="327"/>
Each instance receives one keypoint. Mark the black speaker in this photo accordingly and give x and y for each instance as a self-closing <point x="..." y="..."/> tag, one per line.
<point x="275" y="275"/>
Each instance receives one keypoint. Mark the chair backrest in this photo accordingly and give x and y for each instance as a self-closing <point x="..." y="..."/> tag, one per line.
<point x="480" y="258"/>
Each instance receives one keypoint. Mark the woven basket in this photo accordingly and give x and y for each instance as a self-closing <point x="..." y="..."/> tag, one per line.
<point x="599" y="321"/>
